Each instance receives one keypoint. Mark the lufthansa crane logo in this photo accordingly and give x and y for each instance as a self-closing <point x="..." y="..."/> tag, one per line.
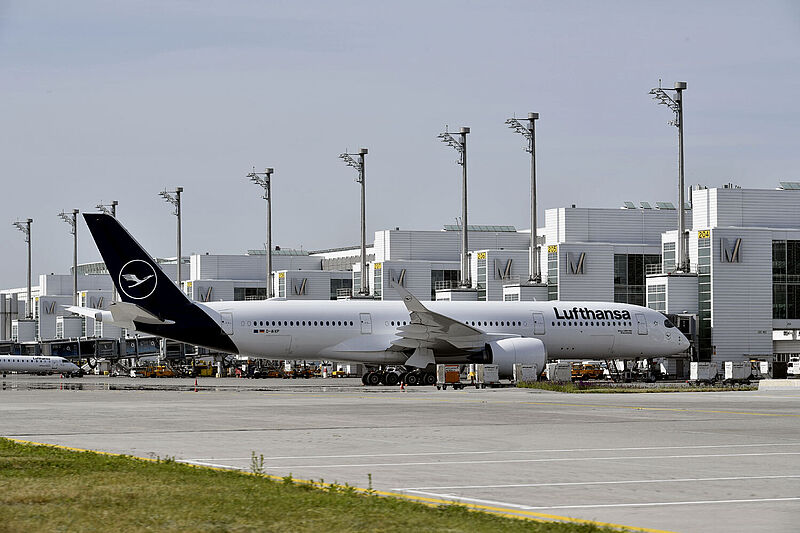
<point x="137" y="279"/>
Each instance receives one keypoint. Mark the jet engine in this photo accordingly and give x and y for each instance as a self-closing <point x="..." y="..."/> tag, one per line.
<point x="507" y="352"/>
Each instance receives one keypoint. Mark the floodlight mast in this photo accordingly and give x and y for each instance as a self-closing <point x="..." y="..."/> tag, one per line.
<point x="72" y="220"/>
<point x="110" y="209"/>
<point x="25" y="228"/>
<point x="266" y="183"/>
<point x="676" y="105"/>
<point x="176" y="201"/>
<point x="359" y="166"/>
<point x="529" y="132"/>
<point x="460" y="146"/>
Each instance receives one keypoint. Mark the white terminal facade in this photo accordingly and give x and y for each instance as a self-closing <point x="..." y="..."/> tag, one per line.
<point x="743" y="283"/>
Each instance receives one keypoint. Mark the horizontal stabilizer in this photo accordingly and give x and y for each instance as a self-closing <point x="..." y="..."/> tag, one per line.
<point x="128" y="312"/>
<point x="119" y="314"/>
<point x="90" y="312"/>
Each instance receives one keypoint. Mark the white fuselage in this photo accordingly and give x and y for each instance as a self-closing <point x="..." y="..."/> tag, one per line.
<point x="29" y="364"/>
<point x="363" y="331"/>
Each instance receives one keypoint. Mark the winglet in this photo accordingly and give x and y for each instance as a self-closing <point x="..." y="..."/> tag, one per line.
<point x="412" y="303"/>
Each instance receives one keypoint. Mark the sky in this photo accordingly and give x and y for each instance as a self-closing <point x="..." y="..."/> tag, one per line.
<point x="106" y="100"/>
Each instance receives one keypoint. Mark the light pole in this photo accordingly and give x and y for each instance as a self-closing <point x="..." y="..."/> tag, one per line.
<point x="461" y="147"/>
<point x="113" y="212"/>
<point x="534" y="271"/>
<point x="72" y="220"/>
<point x="359" y="166"/>
<point x="266" y="183"/>
<point x="175" y="201"/>
<point x="676" y="104"/>
<point x="25" y="228"/>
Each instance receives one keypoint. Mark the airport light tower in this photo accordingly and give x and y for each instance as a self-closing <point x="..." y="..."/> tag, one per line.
<point x="110" y="209"/>
<point x="529" y="132"/>
<point x="175" y="201"/>
<point x="264" y="179"/>
<point x="460" y="146"/>
<point x="72" y="220"/>
<point x="25" y="228"/>
<point x="675" y="103"/>
<point x="359" y="166"/>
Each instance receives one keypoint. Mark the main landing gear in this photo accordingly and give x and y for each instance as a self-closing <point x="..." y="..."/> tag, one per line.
<point x="393" y="376"/>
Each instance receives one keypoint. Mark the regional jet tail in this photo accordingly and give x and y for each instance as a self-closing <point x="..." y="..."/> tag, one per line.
<point x="405" y="332"/>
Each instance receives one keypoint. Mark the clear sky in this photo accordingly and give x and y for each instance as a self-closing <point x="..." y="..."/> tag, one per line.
<point x="115" y="100"/>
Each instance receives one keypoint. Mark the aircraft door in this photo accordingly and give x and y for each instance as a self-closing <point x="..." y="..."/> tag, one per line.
<point x="366" y="323"/>
<point x="227" y="322"/>
<point x="538" y="323"/>
<point x="641" y="322"/>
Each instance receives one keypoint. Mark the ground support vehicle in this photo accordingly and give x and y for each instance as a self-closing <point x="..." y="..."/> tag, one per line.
<point x="702" y="372"/>
<point x="448" y="376"/>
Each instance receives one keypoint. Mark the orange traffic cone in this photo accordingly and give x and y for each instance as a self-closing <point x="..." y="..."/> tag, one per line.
<point x="195" y="384"/>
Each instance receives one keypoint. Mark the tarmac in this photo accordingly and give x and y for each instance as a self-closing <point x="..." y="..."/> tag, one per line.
<point x="689" y="461"/>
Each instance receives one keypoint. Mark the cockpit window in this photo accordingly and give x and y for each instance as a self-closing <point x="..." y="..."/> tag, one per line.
<point x="668" y="324"/>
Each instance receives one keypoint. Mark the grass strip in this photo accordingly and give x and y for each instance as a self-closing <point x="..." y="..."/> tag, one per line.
<point x="578" y="387"/>
<point x="43" y="488"/>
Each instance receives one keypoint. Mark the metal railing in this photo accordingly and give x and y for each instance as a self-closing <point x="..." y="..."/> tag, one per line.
<point x="444" y="285"/>
<point x="655" y="268"/>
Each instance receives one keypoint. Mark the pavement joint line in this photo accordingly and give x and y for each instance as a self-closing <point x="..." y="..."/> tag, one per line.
<point x="431" y="502"/>
<point x="620" y="482"/>
<point x="669" y="409"/>
<point x="475" y="452"/>
<point x="553" y="459"/>
<point x="493" y="401"/>
<point x="608" y="505"/>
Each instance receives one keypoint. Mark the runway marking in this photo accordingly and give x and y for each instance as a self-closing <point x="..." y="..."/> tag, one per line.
<point x="602" y="505"/>
<point x="556" y="459"/>
<point x="431" y="502"/>
<point x="574" y="483"/>
<point x="474" y="452"/>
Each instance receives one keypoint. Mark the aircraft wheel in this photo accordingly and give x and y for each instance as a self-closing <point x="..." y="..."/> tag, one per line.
<point x="364" y="378"/>
<point x="429" y="379"/>
<point x="412" y="379"/>
<point x="373" y="378"/>
<point x="391" y="379"/>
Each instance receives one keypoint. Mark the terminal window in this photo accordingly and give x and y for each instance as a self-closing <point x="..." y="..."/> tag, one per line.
<point x="444" y="279"/>
<point x="552" y="275"/>
<point x="249" y="293"/>
<point x="629" y="276"/>
<point x="785" y="279"/>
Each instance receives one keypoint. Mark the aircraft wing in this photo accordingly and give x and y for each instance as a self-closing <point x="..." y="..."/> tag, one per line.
<point x="432" y="330"/>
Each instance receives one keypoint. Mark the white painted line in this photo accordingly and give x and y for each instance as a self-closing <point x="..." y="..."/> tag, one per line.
<point x="621" y="482"/>
<point x="456" y="498"/>
<point x="479" y="452"/>
<point x="559" y="459"/>
<point x="200" y="463"/>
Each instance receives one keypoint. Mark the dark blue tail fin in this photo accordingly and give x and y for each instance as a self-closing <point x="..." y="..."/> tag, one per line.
<point x="140" y="280"/>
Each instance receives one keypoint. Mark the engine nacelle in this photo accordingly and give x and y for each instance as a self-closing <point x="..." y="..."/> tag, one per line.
<point x="507" y="352"/>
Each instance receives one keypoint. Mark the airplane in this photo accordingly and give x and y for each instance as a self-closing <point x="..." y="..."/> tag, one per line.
<point x="34" y="364"/>
<point x="375" y="333"/>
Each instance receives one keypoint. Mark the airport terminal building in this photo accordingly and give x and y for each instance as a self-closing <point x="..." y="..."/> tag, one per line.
<point x="741" y="290"/>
